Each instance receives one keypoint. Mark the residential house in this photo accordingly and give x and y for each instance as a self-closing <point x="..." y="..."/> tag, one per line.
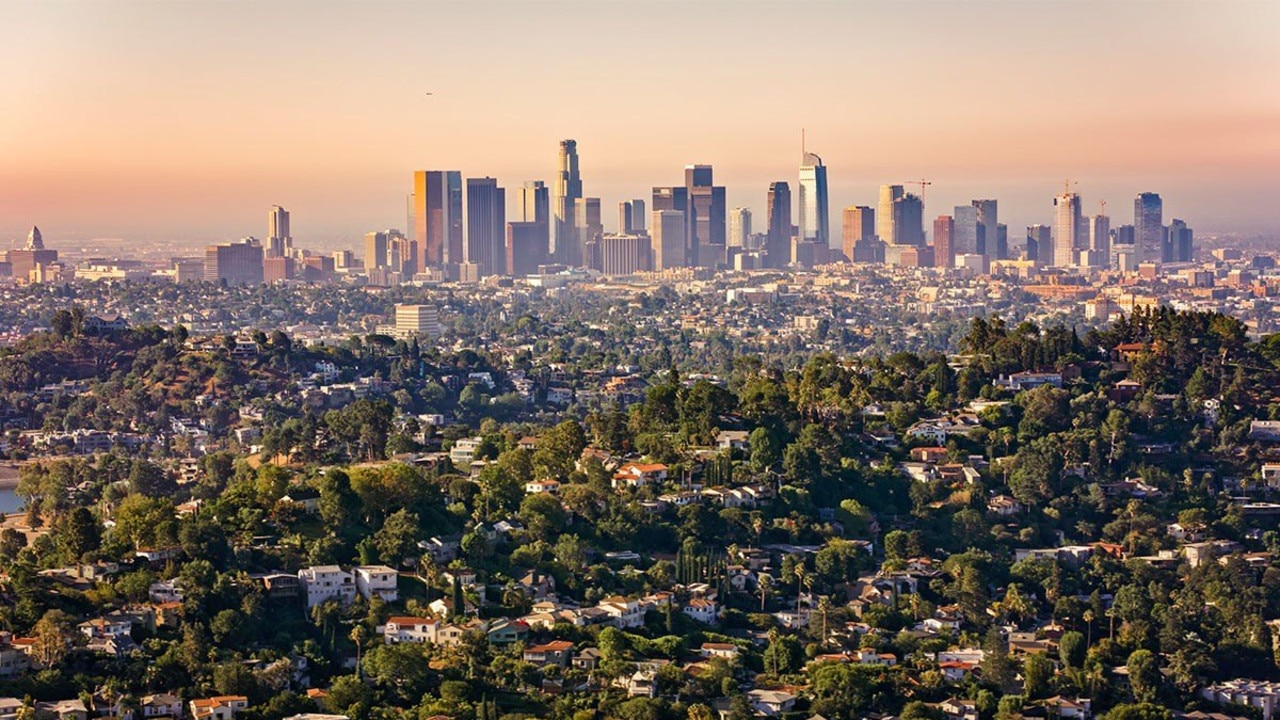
<point x="549" y="486"/>
<point x="161" y="705"/>
<point x="556" y="652"/>
<point x="623" y="612"/>
<point x="377" y="580"/>
<point x="726" y="651"/>
<point x="506" y="632"/>
<point x="1005" y="505"/>
<point x="320" y="583"/>
<point x="400" y="629"/>
<point x="704" y="610"/>
<point x="62" y="710"/>
<point x="1259" y="694"/>
<point x="733" y="439"/>
<point x="222" y="707"/>
<point x="771" y="703"/>
<point x="634" y="475"/>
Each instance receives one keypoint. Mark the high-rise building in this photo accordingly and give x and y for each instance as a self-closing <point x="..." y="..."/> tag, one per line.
<point x="534" y="205"/>
<point x="1002" y="241"/>
<point x="525" y="250"/>
<point x="705" y="217"/>
<point x="668" y="239"/>
<point x="944" y="250"/>
<point x="1100" y="235"/>
<point x="964" y="238"/>
<point x="486" y="225"/>
<point x="279" y="240"/>
<point x="859" y="226"/>
<point x="35" y="240"/>
<point x="908" y="220"/>
<point x="23" y="261"/>
<point x="568" y="189"/>
<point x="1178" y="248"/>
<point x="1039" y="245"/>
<point x="624" y="254"/>
<point x="778" y="241"/>
<point x="417" y="320"/>
<point x="672" y="198"/>
<point x="739" y="228"/>
<point x="1068" y="229"/>
<point x="402" y="254"/>
<point x="375" y="250"/>
<point x="234" y="263"/>
<point x="1148" y="225"/>
<point x="437" y="218"/>
<point x="815" y="216"/>
<point x="988" y="230"/>
<point x="631" y="217"/>
<point x="889" y="194"/>
<point x="586" y="213"/>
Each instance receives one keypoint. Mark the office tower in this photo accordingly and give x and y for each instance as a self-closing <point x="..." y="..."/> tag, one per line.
<point x="705" y="217"/>
<point x="235" y="263"/>
<point x="375" y="250"/>
<point x="815" y="218"/>
<point x="964" y="237"/>
<point x="417" y="320"/>
<point x="587" y="215"/>
<point x="486" y="225"/>
<point x="624" y="254"/>
<point x="889" y="194"/>
<point x="525" y="250"/>
<point x="778" y="242"/>
<point x="277" y="269"/>
<point x="668" y="239"/>
<point x="988" y="229"/>
<point x="1002" y="241"/>
<point x="944" y="251"/>
<point x="437" y="218"/>
<point x="624" y="217"/>
<point x="534" y="205"/>
<point x="1148" y="225"/>
<point x="343" y="259"/>
<point x="631" y="217"/>
<point x="739" y="228"/>
<point x="279" y="241"/>
<point x="1100" y="235"/>
<point x="1068" y="229"/>
<point x="859" y="226"/>
<point x="568" y="189"/>
<point x="402" y="254"/>
<point x="908" y="220"/>
<point x="1178" y="248"/>
<point x="639" y="218"/>
<point x="1040" y="244"/>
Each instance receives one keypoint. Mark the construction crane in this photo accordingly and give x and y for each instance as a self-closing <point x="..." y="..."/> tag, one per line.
<point x="922" y="183"/>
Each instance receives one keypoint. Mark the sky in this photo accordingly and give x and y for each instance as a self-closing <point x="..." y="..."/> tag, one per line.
<point x="186" y="120"/>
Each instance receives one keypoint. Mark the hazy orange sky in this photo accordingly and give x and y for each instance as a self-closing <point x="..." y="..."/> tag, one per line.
<point x="188" y="120"/>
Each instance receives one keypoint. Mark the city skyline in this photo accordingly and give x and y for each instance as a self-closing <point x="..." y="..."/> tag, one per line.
<point x="105" y="141"/>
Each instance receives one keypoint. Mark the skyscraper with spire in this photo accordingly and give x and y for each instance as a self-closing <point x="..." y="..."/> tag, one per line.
<point x="568" y="190"/>
<point x="815" y="219"/>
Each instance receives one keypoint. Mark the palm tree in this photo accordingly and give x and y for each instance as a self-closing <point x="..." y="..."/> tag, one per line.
<point x="358" y="636"/>
<point x="765" y="586"/>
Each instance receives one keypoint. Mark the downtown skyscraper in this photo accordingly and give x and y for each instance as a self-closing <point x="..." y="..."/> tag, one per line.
<point x="568" y="190"/>
<point x="705" y="216"/>
<point x="486" y="225"/>
<point x="279" y="239"/>
<point x="1068" y="229"/>
<point x="1148" y="225"/>
<point x="437" y="218"/>
<point x="889" y="194"/>
<point x="815" y="217"/>
<point x="778" y="238"/>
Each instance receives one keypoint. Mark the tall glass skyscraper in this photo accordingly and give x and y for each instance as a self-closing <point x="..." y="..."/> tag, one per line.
<point x="437" y="217"/>
<point x="815" y="220"/>
<point x="486" y="225"/>
<point x="778" y="242"/>
<point x="1068" y="229"/>
<point x="568" y="189"/>
<point x="889" y="194"/>
<point x="1148" y="225"/>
